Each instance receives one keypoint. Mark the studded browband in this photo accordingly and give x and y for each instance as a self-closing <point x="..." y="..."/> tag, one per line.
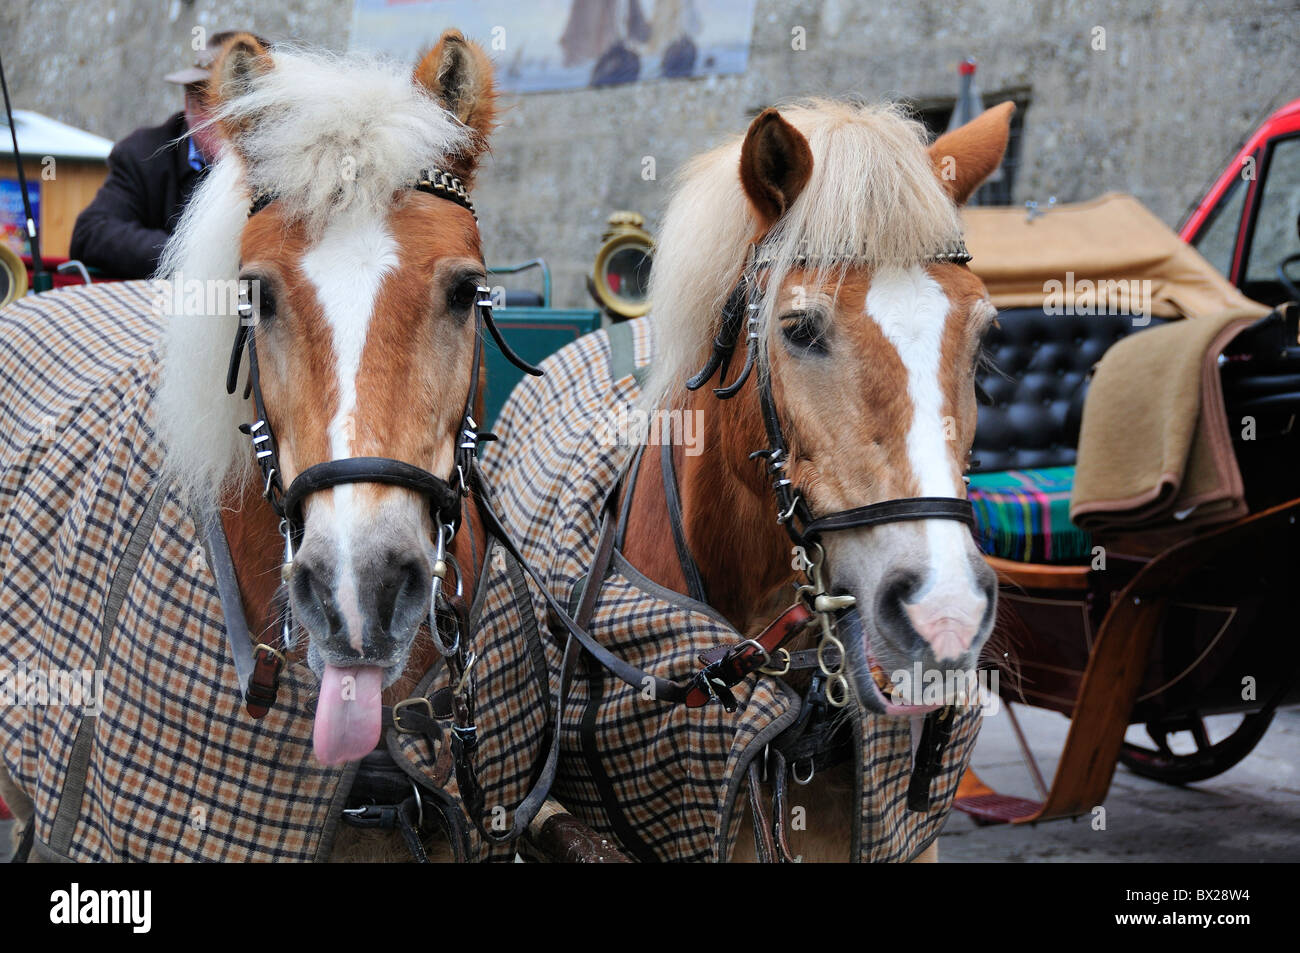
<point x="953" y="253"/>
<point x="433" y="181"/>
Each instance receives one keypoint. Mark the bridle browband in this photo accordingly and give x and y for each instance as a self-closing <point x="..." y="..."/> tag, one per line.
<point x="741" y="308"/>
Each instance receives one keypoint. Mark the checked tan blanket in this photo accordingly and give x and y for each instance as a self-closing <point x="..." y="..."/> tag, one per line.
<point x="102" y="570"/>
<point x="661" y="779"/>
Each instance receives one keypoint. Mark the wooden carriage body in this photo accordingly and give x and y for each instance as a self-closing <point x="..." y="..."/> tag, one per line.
<point x="1156" y="626"/>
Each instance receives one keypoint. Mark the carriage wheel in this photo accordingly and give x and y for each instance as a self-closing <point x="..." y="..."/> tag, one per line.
<point x="1209" y="758"/>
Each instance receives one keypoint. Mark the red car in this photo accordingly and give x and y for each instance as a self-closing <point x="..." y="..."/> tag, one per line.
<point x="1246" y="225"/>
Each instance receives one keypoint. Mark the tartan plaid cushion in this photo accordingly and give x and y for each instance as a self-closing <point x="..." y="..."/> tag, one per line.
<point x="1025" y="515"/>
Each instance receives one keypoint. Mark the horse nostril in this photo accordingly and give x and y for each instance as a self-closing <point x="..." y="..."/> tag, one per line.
<point x="311" y="589"/>
<point x="900" y="588"/>
<point x="400" y="579"/>
<point x="897" y="591"/>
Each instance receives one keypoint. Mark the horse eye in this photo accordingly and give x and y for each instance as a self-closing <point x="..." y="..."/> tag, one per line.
<point x="462" y="294"/>
<point x="803" y="331"/>
<point x="261" y="297"/>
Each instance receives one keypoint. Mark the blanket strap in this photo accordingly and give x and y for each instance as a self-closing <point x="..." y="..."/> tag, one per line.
<point x="723" y="667"/>
<point x="74" y="785"/>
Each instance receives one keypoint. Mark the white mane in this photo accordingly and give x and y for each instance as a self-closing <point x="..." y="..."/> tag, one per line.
<point x="873" y="196"/>
<point x="326" y="134"/>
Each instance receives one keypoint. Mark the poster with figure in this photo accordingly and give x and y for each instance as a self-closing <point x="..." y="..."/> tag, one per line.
<point x="13" y="217"/>
<point x="570" y="44"/>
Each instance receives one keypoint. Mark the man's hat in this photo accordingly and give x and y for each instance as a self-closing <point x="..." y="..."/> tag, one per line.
<point x="203" y="60"/>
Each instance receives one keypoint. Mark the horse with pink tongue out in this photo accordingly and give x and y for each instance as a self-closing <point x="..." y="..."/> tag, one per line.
<point x="361" y="337"/>
<point x="339" y="208"/>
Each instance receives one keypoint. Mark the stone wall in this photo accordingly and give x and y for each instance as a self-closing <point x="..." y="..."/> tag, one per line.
<point x="1157" y="112"/>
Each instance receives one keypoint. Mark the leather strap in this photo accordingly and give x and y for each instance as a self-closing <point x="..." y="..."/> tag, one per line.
<point x="24" y="849"/>
<point x="444" y="500"/>
<point x="238" y="637"/>
<point x="404" y="817"/>
<point x="804" y="659"/>
<point x="672" y="496"/>
<point x="728" y="665"/>
<point x="779" y="772"/>
<point x="764" y="844"/>
<point x="936" y="735"/>
<point x="532" y="802"/>
<point x="707" y="684"/>
<point x="893" y="511"/>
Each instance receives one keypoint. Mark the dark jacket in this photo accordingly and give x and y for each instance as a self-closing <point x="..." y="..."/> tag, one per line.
<point x="149" y="181"/>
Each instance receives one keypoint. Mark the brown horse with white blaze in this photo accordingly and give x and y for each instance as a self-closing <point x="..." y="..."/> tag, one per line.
<point x="365" y="324"/>
<point x="823" y="250"/>
<point x="869" y="341"/>
<point x="361" y="343"/>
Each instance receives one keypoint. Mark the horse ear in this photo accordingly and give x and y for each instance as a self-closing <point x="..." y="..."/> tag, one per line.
<point x="775" y="164"/>
<point x="242" y="59"/>
<point x="458" y="74"/>
<point x="971" y="153"/>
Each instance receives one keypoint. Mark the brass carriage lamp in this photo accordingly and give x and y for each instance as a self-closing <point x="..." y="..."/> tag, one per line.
<point x="13" y="276"/>
<point x="621" y="277"/>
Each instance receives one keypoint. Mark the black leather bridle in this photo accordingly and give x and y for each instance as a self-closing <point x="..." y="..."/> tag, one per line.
<point x="259" y="667"/>
<point x="730" y="664"/>
<point x="444" y="494"/>
<point x="793" y="512"/>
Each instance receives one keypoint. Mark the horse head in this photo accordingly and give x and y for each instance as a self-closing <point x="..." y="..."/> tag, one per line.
<point x="867" y="328"/>
<point x="362" y="316"/>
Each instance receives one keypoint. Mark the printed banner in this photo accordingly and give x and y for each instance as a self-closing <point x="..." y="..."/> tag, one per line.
<point x="570" y="44"/>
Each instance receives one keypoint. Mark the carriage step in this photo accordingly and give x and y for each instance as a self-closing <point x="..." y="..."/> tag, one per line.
<point x="996" y="808"/>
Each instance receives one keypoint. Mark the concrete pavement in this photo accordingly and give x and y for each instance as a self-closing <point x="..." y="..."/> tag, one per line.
<point x="1250" y="813"/>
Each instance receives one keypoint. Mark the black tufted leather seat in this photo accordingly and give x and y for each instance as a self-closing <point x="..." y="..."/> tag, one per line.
<point x="1039" y="365"/>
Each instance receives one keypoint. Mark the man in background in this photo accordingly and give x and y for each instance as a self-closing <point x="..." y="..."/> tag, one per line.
<point x="151" y="175"/>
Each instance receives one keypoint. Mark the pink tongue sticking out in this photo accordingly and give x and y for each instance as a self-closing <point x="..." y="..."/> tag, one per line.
<point x="348" y="714"/>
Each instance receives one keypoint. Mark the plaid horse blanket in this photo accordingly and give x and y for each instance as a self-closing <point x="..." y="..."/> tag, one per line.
<point x="664" y="780"/>
<point x="105" y="587"/>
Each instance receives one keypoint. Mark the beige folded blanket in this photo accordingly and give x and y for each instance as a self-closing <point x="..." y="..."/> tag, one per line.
<point x="1155" y="449"/>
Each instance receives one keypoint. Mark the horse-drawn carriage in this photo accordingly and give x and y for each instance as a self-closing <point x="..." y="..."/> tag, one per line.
<point x="1176" y="452"/>
<point x="325" y="628"/>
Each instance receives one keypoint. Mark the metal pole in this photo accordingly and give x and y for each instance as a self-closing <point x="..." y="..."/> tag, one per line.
<point x="40" y="280"/>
